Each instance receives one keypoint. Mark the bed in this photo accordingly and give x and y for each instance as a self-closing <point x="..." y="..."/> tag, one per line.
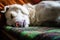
<point x="34" y="33"/>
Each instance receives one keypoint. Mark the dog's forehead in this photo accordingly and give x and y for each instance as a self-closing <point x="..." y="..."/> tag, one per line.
<point x="15" y="6"/>
<point x="14" y="9"/>
<point x="18" y="9"/>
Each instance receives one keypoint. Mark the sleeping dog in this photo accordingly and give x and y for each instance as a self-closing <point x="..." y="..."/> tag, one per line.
<point x="17" y="15"/>
<point x="36" y="15"/>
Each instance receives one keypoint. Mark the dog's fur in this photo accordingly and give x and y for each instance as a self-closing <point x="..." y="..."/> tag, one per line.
<point x="17" y="13"/>
<point x="46" y="11"/>
<point x="39" y="13"/>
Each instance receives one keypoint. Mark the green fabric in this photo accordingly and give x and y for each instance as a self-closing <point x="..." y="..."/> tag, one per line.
<point x="26" y="32"/>
<point x="53" y="30"/>
<point x="31" y="29"/>
<point x="8" y="28"/>
<point x="30" y="34"/>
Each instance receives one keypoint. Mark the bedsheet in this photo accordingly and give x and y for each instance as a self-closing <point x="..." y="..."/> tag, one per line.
<point x="35" y="33"/>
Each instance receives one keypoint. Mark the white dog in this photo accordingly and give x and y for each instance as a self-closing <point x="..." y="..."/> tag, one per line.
<point x="35" y="14"/>
<point x="17" y="14"/>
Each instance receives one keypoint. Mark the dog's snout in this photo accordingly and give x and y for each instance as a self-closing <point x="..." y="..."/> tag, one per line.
<point x="17" y="24"/>
<point x="20" y="24"/>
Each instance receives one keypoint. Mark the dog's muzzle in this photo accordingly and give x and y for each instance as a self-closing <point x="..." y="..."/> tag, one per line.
<point x="20" y="24"/>
<point x="17" y="24"/>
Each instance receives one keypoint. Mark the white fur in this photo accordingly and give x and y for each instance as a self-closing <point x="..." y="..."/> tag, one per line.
<point x="19" y="14"/>
<point x="48" y="10"/>
<point x="45" y="10"/>
<point x="34" y="14"/>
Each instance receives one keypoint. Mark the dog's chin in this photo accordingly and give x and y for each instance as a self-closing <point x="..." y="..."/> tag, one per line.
<point x="16" y="26"/>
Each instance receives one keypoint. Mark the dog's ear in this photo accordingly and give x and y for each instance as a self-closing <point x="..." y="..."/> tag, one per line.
<point x="5" y="9"/>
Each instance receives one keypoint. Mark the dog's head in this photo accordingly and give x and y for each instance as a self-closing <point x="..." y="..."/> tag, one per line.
<point x="16" y="15"/>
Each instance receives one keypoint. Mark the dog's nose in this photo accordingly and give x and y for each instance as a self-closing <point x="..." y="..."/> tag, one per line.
<point x="20" y="24"/>
<point x="17" y="24"/>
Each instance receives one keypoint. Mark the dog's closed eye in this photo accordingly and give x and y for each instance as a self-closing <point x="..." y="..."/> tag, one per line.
<point x="12" y="16"/>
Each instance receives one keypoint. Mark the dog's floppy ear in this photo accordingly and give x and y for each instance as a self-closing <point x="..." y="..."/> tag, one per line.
<point x="5" y="9"/>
